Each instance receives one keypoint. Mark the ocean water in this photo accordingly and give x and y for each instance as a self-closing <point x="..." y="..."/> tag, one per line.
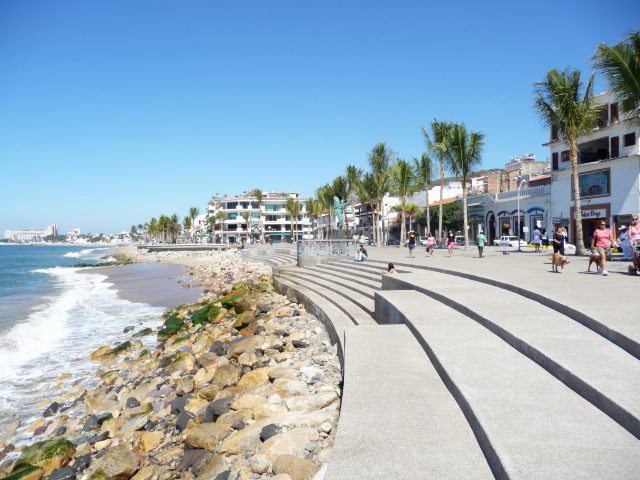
<point x="51" y="318"/>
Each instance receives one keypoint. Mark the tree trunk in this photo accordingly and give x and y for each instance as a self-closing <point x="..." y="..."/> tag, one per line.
<point x="573" y="155"/>
<point x="379" y="224"/>
<point x="428" y="227"/>
<point x="374" y="230"/>
<point x="440" y="206"/>
<point x="403" y="233"/>
<point x="465" y="220"/>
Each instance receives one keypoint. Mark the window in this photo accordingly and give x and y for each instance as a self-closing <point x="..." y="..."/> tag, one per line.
<point x="614" y="112"/>
<point x="554" y="161"/>
<point x="629" y="139"/>
<point x="554" y="132"/>
<point x="615" y="147"/>
<point x="603" y="120"/>
<point x="594" y="184"/>
<point x="564" y="156"/>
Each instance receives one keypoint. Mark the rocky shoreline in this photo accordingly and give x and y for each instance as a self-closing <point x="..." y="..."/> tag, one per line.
<point x="244" y="384"/>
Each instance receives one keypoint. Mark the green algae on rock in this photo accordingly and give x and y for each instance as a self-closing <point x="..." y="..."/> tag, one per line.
<point x="49" y="455"/>
<point x="29" y="472"/>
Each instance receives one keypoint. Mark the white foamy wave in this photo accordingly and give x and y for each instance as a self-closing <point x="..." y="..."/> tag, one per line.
<point x="58" y="337"/>
<point x="84" y="252"/>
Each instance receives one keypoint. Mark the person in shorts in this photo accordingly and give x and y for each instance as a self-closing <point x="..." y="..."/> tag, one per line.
<point x="480" y="241"/>
<point x="601" y="243"/>
<point x="451" y="241"/>
<point x="412" y="243"/>
<point x="536" y="239"/>
<point x="431" y="244"/>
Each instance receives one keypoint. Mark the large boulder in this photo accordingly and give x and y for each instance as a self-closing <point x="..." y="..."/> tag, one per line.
<point x="119" y="463"/>
<point x="228" y="374"/>
<point x="245" y="344"/>
<point x="255" y="378"/>
<point x="29" y="472"/>
<point x="292" y="442"/>
<point x="206" y="435"/>
<point x="296" y="468"/>
<point x="49" y="455"/>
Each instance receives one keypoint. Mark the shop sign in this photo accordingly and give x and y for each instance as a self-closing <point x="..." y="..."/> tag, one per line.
<point x="594" y="213"/>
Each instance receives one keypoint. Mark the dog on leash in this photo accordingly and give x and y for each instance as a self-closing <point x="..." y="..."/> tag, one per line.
<point x="558" y="262"/>
<point x="595" y="258"/>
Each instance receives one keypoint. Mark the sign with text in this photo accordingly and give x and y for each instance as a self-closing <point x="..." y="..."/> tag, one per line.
<point x="594" y="213"/>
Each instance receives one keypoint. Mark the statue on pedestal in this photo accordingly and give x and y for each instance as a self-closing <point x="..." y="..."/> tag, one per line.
<point x="338" y="212"/>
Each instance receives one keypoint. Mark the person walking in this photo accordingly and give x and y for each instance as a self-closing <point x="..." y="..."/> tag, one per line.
<point x="411" y="243"/>
<point x="544" y="238"/>
<point x="431" y="244"/>
<point x="451" y="241"/>
<point x="480" y="241"/>
<point x="600" y="243"/>
<point x="623" y="236"/>
<point x="558" y="240"/>
<point x="536" y="239"/>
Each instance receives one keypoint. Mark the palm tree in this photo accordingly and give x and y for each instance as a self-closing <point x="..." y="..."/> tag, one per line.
<point x="423" y="171"/>
<point x="211" y="220"/>
<point x="411" y="211"/>
<point x="620" y="65"/>
<point x="325" y="197"/>
<point x="437" y="143"/>
<point x="314" y="208"/>
<point x="402" y="180"/>
<point x="186" y="223"/>
<point x="152" y="230"/>
<point x="246" y="216"/>
<point x="366" y="190"/>
<point x="293" y="209"/>
<point x="193" y="213"/>
<point x="260" y="201"/>
<point x="174" y="227"/>
<point x="465" y="150"/>
<point x="560" y="102"/>
<point x="352" y="176"/>
<point x="219" y="218"/>
<point x="379" y="159"/>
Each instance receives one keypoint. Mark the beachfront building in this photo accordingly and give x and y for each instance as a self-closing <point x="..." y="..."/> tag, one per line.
<point x="609" y="173"/>
<point x="24" y="236"/>
<point x="240" y="219"/>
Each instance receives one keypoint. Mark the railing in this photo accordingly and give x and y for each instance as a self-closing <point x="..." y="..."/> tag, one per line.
<point x="524" y="192"/>
<point x="311" y="252"/>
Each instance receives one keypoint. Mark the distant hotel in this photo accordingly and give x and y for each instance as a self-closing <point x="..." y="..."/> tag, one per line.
<point x="240" y="218"/>
<point x="31" y="236"/>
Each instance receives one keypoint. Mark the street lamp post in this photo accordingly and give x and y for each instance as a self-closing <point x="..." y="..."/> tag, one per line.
<point x="520" y="181"/>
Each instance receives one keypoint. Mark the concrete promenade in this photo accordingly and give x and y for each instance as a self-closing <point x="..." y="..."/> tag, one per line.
<point x="543" y="366"/>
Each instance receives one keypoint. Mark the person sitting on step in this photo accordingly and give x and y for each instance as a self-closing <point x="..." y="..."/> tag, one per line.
<point x="361" y="253"/>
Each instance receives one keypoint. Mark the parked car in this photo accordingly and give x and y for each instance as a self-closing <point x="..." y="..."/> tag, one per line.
<point x="569" y="249"/>
<point x="422" y="240"/>
<point x="393" y="241"/>
<point x="508" y="241"/>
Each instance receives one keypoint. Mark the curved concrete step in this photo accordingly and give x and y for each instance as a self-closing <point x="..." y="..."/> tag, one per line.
<point x="357" y="315"/>
<point x="529" y="424"/>
<point x="397" y="419"/>
<point x="345" y="275"/>
<point x="357" y="284"/>
<point x="351" y="294"/>
<point x="593" y="367"/>
<point x="351" y="270"/>
<point x="622" y="330"/>
<point x="335" y="320"/>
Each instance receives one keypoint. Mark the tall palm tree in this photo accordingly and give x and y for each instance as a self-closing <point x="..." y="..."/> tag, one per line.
<point x="260" y="201"/>
<point x="218" y="219"/>
<point x="402" y="181"/>
<point x="465" y="151"/>
<point x="186" y="223"/>
<point x="411" y="211"/>
<point x="315" y="209"/>
<point x="193" y="213"/>
<point x="174" y="227"/>
<point x="152" y="229"/>
<point x="293" y="209"/>
<point x="211" y="220"/>
<point x="620" y="65"/>
<point x="561" y="102"/>
<point x="366" y="190"/>
<point x="423" y="171"/>
<point x="437" y="143"/>
<point x="352" y="176"/>
<point x="325" y="197"/>
<point x="379" y="160"/>
<point x="246" y="216"/>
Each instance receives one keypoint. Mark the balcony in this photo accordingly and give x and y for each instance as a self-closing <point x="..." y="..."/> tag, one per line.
<point x="593" y="151"/>
<point x="524" y="193"/>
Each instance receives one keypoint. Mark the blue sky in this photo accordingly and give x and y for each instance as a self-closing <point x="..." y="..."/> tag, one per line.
<point x="115" y="111"/>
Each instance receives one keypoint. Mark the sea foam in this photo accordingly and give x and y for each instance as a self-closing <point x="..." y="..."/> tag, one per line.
<point x="58" y="337"/>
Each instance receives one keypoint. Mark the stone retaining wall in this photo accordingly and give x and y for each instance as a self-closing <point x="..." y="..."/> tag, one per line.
<point x="312" y="252"/>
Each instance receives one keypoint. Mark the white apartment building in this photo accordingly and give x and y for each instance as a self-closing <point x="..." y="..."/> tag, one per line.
<point x="609" y="173"/>
<point x="244" y="220"/>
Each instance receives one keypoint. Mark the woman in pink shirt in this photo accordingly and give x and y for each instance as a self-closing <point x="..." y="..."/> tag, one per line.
<point x="601" y="241"/>
<point x="634" y="230"/>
